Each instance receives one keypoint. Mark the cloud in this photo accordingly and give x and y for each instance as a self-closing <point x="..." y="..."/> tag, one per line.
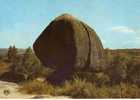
<point x="122" y="29"/>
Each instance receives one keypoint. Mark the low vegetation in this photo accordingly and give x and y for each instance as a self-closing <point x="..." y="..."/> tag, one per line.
<point x="82" y="89"/>
<point x="37" y="87"/>
<point x="22" y="67"/>
<point x="120" y="77"/>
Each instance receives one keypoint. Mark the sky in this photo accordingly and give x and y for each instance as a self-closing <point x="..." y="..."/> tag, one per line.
<point x="116" y="22"/>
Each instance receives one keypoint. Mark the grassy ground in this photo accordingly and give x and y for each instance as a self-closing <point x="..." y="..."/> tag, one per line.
<point x="81" y="89"/>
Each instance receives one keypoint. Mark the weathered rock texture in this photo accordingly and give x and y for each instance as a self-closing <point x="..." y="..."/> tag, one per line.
<point x="68" y="44"/>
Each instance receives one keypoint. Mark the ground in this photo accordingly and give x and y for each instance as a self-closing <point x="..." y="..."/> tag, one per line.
<point x="10" y="90"/>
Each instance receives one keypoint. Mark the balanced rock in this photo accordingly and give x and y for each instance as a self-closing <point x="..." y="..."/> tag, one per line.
<point x="67" y="45"/>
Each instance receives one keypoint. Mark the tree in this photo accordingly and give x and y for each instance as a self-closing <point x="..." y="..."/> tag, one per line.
<point x="27" y="65"/>
<point x="12" y="53"/>
<point x="24" y="66"/>
<point x="31" y="66"/>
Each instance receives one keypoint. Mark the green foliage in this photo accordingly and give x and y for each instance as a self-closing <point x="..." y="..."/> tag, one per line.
<point x="29" y="65"/>
<point x="12" y="53"/>
<point x="26" y="64"/>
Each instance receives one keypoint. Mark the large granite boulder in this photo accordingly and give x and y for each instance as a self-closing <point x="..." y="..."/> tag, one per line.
<point x="67" y="45"/>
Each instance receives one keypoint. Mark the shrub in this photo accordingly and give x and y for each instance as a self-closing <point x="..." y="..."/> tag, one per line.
<point x="37" y="87"/>
<point x="79" y="88"/>
<point x="124" y="91"/>
<point x="134" y="71"/>
<point x="82" y="89"/>
<point x="129" y="91"/>
<point x="101" y="79"/>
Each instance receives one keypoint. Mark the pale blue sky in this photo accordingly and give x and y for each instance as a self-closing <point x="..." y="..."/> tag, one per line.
<point x="117" y="22"/>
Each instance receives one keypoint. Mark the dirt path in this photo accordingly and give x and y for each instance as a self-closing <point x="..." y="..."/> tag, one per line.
<point x="10" y="90"/>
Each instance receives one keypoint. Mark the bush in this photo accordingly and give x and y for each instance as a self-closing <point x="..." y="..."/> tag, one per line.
<point x="83" y="89"/>
<point x="27" y="65"/>
<point x="101" y="79"/>
<point x="78" y="88"/>
<point x="123" y="91"/>
<point x="37" y="87"/>
<point x="129" y="91"/>
<point x="134" y="71"/>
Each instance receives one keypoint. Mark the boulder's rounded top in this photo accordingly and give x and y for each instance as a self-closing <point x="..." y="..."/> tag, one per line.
<point x="65" y="16"/>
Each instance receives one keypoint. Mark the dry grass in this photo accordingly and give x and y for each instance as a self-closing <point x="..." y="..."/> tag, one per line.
<point x="82" y="89"/>
<point x="37" y="87"/>
<point x="4" y="67"/>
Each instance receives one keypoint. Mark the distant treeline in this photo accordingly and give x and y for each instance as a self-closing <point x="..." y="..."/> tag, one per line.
<point x="4" y="51"/>
<point x="134" y="52"/>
